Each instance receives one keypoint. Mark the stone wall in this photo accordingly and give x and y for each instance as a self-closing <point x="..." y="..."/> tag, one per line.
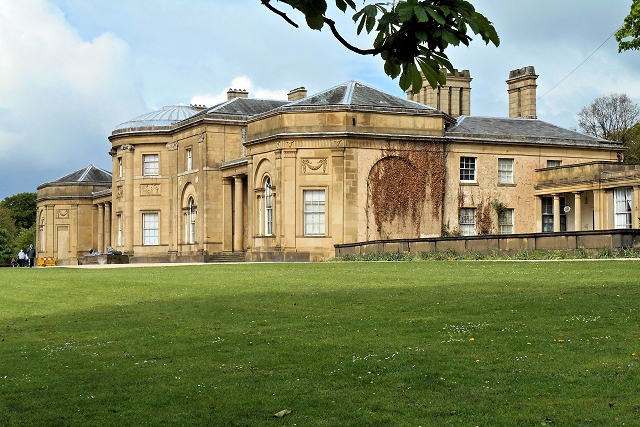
<point x="513" y="243"/>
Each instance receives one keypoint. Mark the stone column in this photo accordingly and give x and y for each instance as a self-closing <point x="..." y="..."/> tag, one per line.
<point x="577" y="199"/>
<point x="598" y="207"/>
<point x="337" y="224"/>
<point x="251" y="208"/>
<point x="107" y="224"/>
<point x="227" y="217"/>
<point x="635" y="207"/>
<point x="288" y="197"/>
<point x="128" y="198"/>
<point x="100" y="227"/>
<point x="238" y="223"/>
<point x="556" y="213"/>
<point x="174" y="199"/>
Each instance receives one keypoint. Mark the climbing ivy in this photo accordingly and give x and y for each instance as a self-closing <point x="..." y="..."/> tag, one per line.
<point x="399" y="181"/>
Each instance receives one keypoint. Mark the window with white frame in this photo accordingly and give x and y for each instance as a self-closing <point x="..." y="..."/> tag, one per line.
<point x="149" y="164"/>
<point x="554" y="163"/>
<point x="119" y="167"/>
<point x="547" y="214"/>
<point x="622" y="202"/>
<point x="119" y="229"/>
<point x="505" y="222"/>
<point x="314" y="212"/>
<point x="192" y="220"/>
<point x="468" y="169"/>
<point x="505" y="171"/>
<point x="189" y="159"/>
<point x="150" y="234"/>
<point x="268" y="207"/>
<point x="468" y="221"/>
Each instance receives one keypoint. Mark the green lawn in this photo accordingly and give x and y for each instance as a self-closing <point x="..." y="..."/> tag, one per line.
<point x="339" y="344"/>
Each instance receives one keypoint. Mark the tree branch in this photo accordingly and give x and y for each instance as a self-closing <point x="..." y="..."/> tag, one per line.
<point x="349" y="46"/>
<point x="280" y="13"/>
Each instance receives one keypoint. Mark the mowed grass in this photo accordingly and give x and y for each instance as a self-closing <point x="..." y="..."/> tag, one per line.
<point x="338" y="344"/>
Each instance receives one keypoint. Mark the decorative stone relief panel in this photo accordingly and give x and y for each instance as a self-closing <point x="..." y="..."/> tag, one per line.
<point x="119" y="192"/>
<point x="314" y="166"/>
<point x="62" y="213"/>
<point x="127" y="147"/>
<point x="149" y="189"/>
<point x="171" y="146"/>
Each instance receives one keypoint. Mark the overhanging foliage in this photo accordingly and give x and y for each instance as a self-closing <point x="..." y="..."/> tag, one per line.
<point x="412" y="35"/>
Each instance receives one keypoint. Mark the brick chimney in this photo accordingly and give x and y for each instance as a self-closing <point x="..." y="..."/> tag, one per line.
<point x="237" y="93"/>
<point x="522" y="93"/>
<point x="297" y="93"/>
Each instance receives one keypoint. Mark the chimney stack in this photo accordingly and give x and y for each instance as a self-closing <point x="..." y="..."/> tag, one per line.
<point x="297" y="93"/>
<point x="454" y="98"/>
<point x="237" y="93"/>
<point x="522" y="93"/>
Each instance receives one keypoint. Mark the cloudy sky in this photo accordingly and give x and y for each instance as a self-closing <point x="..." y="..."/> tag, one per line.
<point x="71" y="70"/>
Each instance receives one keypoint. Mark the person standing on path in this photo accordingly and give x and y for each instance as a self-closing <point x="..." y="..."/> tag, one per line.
<point x="31" y="254"/>
<point x="21" y="257"/>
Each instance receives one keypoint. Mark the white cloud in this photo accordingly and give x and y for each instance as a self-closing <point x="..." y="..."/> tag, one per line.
<point x="59" y="94"/>
<point x="240" y="82"/>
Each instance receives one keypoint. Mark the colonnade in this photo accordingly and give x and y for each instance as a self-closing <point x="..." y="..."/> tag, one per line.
<point x="593" y="209"/>
<point x="104" y="226"/>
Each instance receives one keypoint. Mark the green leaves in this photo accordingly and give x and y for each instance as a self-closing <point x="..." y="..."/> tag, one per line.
<point x="628" y="36"/>
<point x="412" y="34"/>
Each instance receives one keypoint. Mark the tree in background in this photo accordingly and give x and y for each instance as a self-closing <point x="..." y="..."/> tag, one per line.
<point x="614" y="117"/>
<point x="628" y="36"/>
<point x="6" y="222"/>
<point x="412" y="35"/>
<point x="23" y="209"/>
<point x="26" y="237"/>
<point x="6" y="247"/>
<point x="17" y="225"/>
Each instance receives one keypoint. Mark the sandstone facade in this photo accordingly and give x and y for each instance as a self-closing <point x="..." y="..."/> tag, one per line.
<point x="287" y="180"/>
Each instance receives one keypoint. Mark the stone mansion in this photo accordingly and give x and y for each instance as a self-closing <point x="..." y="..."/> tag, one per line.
<point x="264" y="180"/>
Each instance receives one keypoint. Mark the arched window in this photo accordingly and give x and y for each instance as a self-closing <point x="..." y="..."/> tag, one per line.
<point x="192" y="220"/>
<point x="268" y="208"/>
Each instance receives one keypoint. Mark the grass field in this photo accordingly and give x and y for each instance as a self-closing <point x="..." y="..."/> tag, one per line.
<point x="338" y="344"/>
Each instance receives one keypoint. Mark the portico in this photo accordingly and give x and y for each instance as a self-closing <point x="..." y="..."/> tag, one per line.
<point x="589" y="196"/>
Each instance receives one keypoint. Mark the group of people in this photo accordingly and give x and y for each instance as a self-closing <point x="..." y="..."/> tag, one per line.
<point x="25" y="259"/>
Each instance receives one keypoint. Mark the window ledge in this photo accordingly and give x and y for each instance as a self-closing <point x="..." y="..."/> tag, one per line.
<point x="151" y="177"/>
<point x="507" y="184"/>
<point x="469" y="183"/>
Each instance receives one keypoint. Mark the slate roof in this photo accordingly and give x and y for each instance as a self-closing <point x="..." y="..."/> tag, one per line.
<point x="88" y="175"/>
<point x="245" y="106"/>
<point x="510" y="128"/>
<point x="353" y="93"/>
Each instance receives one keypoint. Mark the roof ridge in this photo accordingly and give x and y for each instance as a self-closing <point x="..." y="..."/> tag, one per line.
<point x="84" y="174"/>
<point x="298" y="101"/>
<point x="348" y="94"/>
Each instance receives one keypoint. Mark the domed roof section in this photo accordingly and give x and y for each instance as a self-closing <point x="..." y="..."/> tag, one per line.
<point x="356" y="94"/>
<point x="168" y="116"/>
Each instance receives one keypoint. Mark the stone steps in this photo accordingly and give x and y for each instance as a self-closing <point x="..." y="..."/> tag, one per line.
<point x="226" y="257"/>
